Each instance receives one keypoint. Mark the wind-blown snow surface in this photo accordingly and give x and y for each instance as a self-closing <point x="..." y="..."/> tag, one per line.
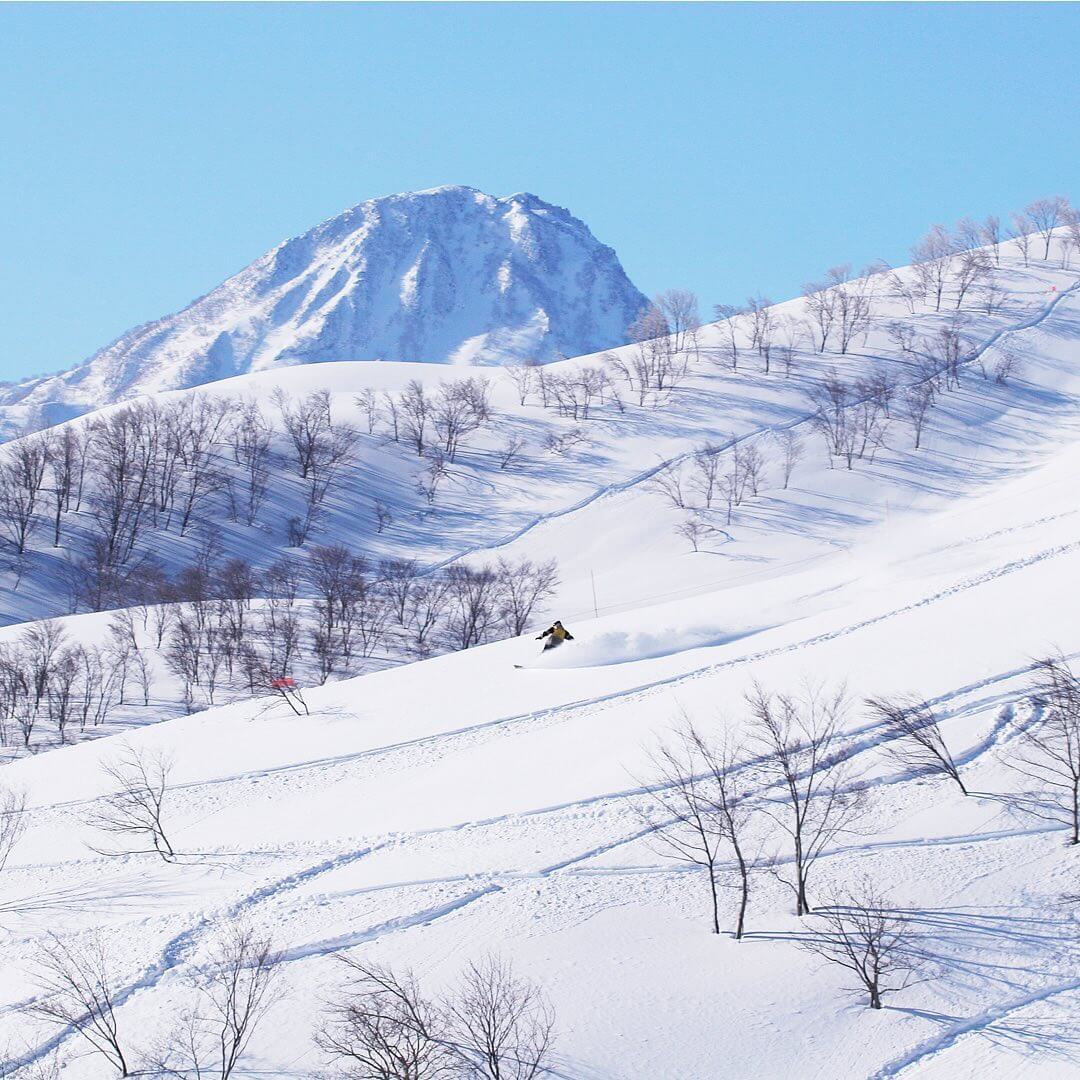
<point x="449" y="275"/>
<point x="425" y="815"/>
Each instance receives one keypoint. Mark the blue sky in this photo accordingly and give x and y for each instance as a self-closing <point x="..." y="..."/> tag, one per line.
<point x="147" y="152"/>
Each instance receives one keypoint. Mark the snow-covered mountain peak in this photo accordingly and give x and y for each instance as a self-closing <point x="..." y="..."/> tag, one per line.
<point x="446" y="275"/>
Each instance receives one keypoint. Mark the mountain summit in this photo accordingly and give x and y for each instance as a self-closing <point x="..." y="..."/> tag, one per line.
<point x="450" y="275"/>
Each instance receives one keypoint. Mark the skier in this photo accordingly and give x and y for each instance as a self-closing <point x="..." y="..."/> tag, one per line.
<point x="556" y="634"/>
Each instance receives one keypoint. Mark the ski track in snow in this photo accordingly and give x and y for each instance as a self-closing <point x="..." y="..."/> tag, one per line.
<point x="972" y="1026"/>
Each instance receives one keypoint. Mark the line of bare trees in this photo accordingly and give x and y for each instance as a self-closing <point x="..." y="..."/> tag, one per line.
<point x="226" y="997"/>
<point x="700" y="806"/>
<point x="224" y="626"/>
<point x="493" y="1025"/>
<point x="317" y="618"/>
<point x="716" y="480"/>
<point x="434" y="424"/>
<point x="47" y="679"/>
<point x="717" y="807"/>
<point x="962" y="260"/>
<point x="853" y="416"/>
<point x="159" y="466"/>
<point x="956" y="263"/>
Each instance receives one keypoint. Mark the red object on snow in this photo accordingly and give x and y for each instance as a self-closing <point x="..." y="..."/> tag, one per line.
<point x="283" y="683"/>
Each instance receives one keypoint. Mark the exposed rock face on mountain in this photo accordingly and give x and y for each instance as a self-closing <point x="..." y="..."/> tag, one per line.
<point x="449" y="275"/>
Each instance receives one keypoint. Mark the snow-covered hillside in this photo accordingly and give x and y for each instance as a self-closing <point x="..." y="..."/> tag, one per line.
<point x="429" y="814"/>
<point x="449" y="276"/>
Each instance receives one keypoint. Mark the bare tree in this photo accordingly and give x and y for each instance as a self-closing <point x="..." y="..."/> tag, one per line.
<point x="946" y="349"/>
<point x="762" y="326"/>
<point x="1072" y="237"/>
<point x="968" y="233"/>
<point x="693" y="530"/>
<point x="932" y="260"/>
<point x="523" y="586"/>
<point x="12" y="822"/>
<point x="332" y="452"/>
<point x="510" y="450"/>
<point x="397" y="577"/>
<point x="1021" y="235"/>
<point x="473" y="602"/>
<point x="250" y="440"/>
<point x="918" y="400"/>
<point x="134" y="813"/>
<point x="193" y="427"/>
<point x="832" y="400"/>
<point x="868" y="939"/>
<point x="819" y="301"/>
<point x="232" y="992"/>
<point x="431" y="477"/>
<point x="680" y="309"/>
<point x="455" y="413"/>
<point x="992" y="295"/>
<point x="668" y="481"/>
<point x="912" y="736"/>
<point x="753" y="465"/>
<point x="66" y="456"/>
<point x="368" y="403"/>
<point x="903" y="335"/>
<point x="908" y="289"/>
<point x="707" y="463"/>
<point x="854" y="303"/>
<point x="795" y="332"/>
<point x="790" y="447"/>
<point x="972" y="268"/>
<point x="393" y="414"/>
<point x="1049" y="754"/>
<point x="124" y="467"/>
<point x="78" y="994"/>
<point x="523" y="376"/>
<point x="678" y="807"/>
<point x="500" y="1024"/>
<point x="657" y="362"/>
<point x="415" y="408"/>
<point x="1044" y="216"/>
<point x="729" y="797"/>
<point x="383" y="515"/>
<point x="729" y="317"/>
<point x="384" y="1028"/>
<point x="991" y="237"/>
<point x="306" y="423"/>
<point x="22" y="473"/>
<point x="1007" y="366"/>
<point x="801" y="743"/>
<point x="428" y="603"/>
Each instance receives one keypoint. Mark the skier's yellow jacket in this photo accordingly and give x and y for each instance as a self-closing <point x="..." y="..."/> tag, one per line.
<point x="557" y="632"/>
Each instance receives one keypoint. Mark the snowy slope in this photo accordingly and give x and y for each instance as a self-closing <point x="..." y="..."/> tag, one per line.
<point x="592" y="496"/>
<point x="416" y="819"/>
<point x="449" y="275"/>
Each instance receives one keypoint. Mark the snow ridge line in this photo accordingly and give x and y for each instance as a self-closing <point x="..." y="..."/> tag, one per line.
<point x="620" y="486"/>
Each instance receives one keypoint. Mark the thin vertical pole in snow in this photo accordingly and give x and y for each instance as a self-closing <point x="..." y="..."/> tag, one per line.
<point x="595" y="611"/>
